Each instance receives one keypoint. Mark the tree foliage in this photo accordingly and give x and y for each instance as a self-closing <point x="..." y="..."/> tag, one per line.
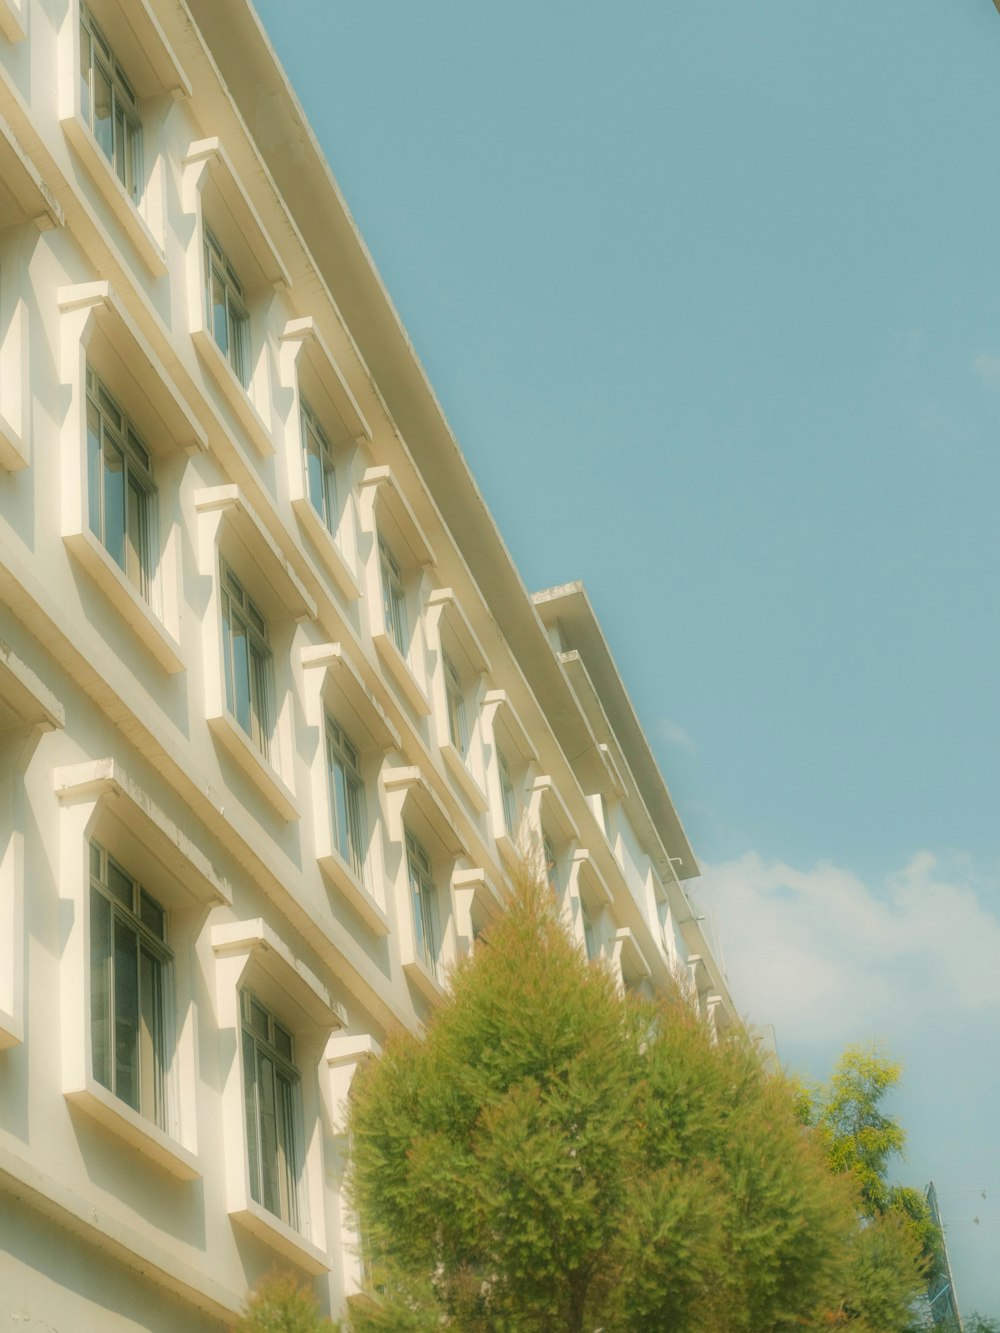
<point x="279" y="1305"/>
<point x="898" y="1245"/>
<point x="551" y="1157"/>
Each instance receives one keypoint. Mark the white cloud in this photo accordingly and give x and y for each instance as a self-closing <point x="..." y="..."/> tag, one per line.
<point x="829" y="959"/>
<point x="911" y="960"/>
<point x="987" y="367"/>
<point x="674" y="734"/>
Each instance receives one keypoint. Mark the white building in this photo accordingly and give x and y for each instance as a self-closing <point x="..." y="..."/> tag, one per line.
<point x="276" y="708"/>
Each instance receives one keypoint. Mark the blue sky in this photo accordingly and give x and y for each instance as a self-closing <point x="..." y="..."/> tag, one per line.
<point x="711" y="296"/>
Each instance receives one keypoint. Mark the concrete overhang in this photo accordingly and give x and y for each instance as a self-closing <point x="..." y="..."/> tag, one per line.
<point x="568" y="608"/>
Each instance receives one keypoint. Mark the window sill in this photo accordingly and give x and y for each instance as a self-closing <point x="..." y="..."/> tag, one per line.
<point x="347" y="884"/>
<point x="281" y="1238"/>
<point x="333" y="558"/>
<point x="121" y="203"/>
<point x="267" y="780"/>
<point x="135" y="610"/>
<point x="459" y="770"/>
<point x="233" y="391"/>
<point x="399" y="669"/>
<point x="12" y="452"/>
<point x="140" y="1133"/>
<point x="510" y="854"/>
<point x="419" y="974"/>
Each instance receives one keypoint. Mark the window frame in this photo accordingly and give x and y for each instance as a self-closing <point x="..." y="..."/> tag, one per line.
<point x="349" y="825"/>
<point x="334" y="688"/>
<point x="509" y="747"/>
<point x="461" y="669"/>
<point x="99" y="801"/>
<point x="251" y="956"/>
<point x="327" y="507"/>
<point x="287" y="1166"/>
<point x="425" y="916"/>
<point x="97" y="332"/>
<point x="259" y="682"/>
<point x="416" y="815"/>
<point x="236" y="349"/>
<point x="213" y="195"/>
<point x="231" y="533"/>
<point x="456" y="716"/>
<point x="120" y="156"/>
<point x="139" y="60"/>
<point x="394" y="611"/>
<point x="589" y="899"/>
<point x="151" y="1103"/>
<point x="318" y="390"/>
<point x="135" y="463"/>
<point x="399" y="553"/>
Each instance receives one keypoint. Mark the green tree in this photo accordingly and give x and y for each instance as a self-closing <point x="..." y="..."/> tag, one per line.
<point x="979" y="1323"/>
<point x="279" y="1305"/>
<point x="550" y="1158"/>
<point x="897" y="1246"/>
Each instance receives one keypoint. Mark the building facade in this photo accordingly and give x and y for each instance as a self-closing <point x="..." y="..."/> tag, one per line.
<point x="277" y="714"/>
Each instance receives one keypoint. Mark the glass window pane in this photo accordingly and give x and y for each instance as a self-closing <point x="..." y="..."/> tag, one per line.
<point x="267" y="1113"/>
<point x="260" y="1020"/>
<point x="341" y="829"/>
<point x="126" y="993"/>
<point x="119" y="156"/>
<point x="250" y="1110"/>
<point x="314" y="472"/>
<point x="121" y="885"/>
<point x="508" y="799"/>
<point x="356" y="826"/>
<point x="551" y="866"/>
<point x="260" y="701"/>
<point x="94" y="469"/>
<point x="239" y="703"/>
<point x="103" y="125"/>
<point x="114" y="501"/>
<point x="217" y="307"/>
<point x="152" y="915"/>
<point x="86" y="60"/>
<point x="150" y="1036"/>
<point x="286" y="1164"/>
<point x="100" y="988"/>
<point x="136" y="545"/>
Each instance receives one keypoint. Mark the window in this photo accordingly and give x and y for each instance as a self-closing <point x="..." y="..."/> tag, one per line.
<point x="507" y="797"/>
<point x="424" y="898"/>
<point x="247" y="662"/>
<point x="551" y="865"/>
<point x="393" y="598"/>
<point x="120" y="487"/>
<point x="226" y="309"/>
<point x="347" y="798"/>
<point x="589" y="942"/>
<point x="129" y="965"/>
<point x="109" y="105"/>
<point x="458" y="730"/>
<point x="270" y="1086"/>
<point x="320" y="476"/>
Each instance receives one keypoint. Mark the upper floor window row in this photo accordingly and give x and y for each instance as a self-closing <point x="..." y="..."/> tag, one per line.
<point x="109" y="105"/>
